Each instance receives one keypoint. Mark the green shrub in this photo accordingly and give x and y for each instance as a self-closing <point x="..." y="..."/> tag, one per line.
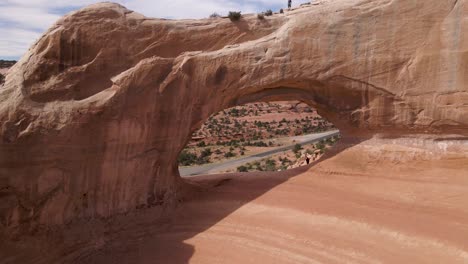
<point x="260" y="16"/>
<point x="320" y="146"/>
<point x="186" y="158"/>
<point x="281" y="11"/>
<point x="297" y="148"/>
<point x="229" y="154"/>
<point x="285" y="161"/>
<point x="201" y="144"/>
<point x="235" y="112"/>
<point x="257" y="144"/>
<point x="242" y="169"/>
<point x="270" y="165"/>
<point x="202" y="160"/>
<point x="214" y="15"/>
<point x="206" y="153"/>
<point x="268" y="12"/>
<point x="234" y="15"/>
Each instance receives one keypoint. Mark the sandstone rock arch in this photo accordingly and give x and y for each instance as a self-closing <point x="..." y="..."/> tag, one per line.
<point x="94" y="115"/>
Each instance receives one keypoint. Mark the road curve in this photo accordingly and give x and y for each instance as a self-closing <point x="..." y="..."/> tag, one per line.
<point x="234" y="163"/>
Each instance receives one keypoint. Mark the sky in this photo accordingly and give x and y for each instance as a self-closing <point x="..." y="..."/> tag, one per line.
<point x="22" y="22"/>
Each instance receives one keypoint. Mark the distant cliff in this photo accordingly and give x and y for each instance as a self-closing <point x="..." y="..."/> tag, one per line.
<point x="4" y="66"/>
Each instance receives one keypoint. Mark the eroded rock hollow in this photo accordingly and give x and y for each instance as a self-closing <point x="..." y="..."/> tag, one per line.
<point x="93" y="116"/>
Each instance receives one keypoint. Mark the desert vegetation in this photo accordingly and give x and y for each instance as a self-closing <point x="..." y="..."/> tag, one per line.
<point x="234" y="15"/>
<point x="250" y="129"/>
<point x="290" y="159"/>
<point x="215" y="15"/>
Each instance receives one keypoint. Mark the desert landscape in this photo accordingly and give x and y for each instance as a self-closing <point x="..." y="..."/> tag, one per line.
<point x="255" y="128"/>
<point x="95" y="115"/>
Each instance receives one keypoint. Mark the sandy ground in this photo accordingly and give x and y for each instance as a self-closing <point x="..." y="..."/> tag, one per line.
<point x="315" y="217"/>
<point x="345" y="209"/>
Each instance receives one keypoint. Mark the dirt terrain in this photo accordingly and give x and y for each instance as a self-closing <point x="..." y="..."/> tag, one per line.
<point x="336" y="211"/>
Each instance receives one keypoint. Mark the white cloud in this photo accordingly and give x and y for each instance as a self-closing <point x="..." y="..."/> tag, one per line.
<point x="27" y="17"/>
<point x="48" y="3"/>
<point x="22" y="21"/>
<point x="14" y="42"/>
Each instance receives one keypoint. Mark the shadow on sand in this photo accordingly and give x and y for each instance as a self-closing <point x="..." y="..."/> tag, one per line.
<point x="159" y="235"/>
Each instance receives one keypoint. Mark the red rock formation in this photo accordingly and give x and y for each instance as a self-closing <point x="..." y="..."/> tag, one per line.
<point x="93" y="117"/>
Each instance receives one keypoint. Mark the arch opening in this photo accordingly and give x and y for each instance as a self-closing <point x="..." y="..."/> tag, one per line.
<point x="264" y="131"/>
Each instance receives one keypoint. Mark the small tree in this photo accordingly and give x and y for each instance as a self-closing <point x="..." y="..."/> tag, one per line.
<point x="260" y="16"/>
<point x="214" y="15"/>
<point x="268" y="12"/>
<point x="234" y="15"/>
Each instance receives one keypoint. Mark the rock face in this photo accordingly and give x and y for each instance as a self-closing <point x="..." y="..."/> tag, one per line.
<point x="92" y="118"/>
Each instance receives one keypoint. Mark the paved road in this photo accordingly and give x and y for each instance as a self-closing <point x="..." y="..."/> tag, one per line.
<point x="234" y="163"/>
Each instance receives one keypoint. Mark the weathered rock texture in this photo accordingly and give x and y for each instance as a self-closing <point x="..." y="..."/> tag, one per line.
<point x="94" y="115"/>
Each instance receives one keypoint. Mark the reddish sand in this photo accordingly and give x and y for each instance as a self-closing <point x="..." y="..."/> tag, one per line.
<point x="349" y="208"/>
<point x="346" y="215"/>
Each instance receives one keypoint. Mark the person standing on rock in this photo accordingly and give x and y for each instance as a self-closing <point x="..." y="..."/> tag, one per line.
<point x="307" y="159"/>
<point x="289" y="4"/>
<point x="316" y="154"/>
